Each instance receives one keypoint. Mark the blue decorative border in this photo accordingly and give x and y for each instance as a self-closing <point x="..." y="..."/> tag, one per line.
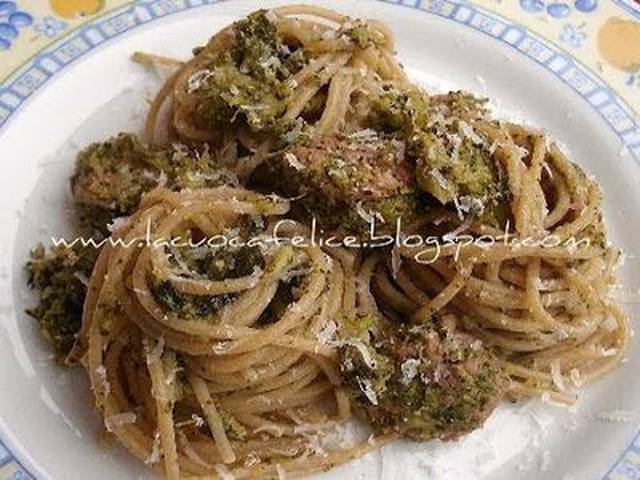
<point x="627" y="466"/>
<point x="16" y="91"/>
<point x="10" y="466"/>
<point x="631" y="6"/>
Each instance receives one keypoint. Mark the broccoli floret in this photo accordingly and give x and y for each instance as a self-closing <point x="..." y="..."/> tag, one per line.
<point x="216" y="265"/>
<point x="260" y="49"/>
<point x="452" y="162"/>
<point x="397" y="111"/>
<point x="186" y="306"/>
<point x="421" y="381"/>
<point x="363" y="36"/>
<point x="288" y="292"/>
<point x="231" y="95"/>
<point x="114" y="174"/>
<point x="111" y="176"/>
<point x="61" y="275"/>
<point x="225" y="263"/>
<point x="249" y="82"/>
<point x="345" y="181"/>
<point x="453" y="167"/>
<point x="460" y="104"/>
<point x="232" y="426"/>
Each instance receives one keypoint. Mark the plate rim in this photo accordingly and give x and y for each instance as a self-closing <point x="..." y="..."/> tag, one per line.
<point x="30" y="78"/>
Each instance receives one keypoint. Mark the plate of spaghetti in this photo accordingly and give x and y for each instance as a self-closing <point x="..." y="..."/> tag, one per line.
<point x="283" y="241"/>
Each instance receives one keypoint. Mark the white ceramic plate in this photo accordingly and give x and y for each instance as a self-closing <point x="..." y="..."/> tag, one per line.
<point x="46" y="420"/>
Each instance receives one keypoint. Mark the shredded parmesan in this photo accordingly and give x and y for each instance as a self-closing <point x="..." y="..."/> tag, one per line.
<point x="197" y="420"/>
<point x="327" y="333"/>
<point x="609" y="352"/>
<point x="117" y="223"/>
<point x="271" y="16"/>
<point x="409" y="370"/>
<point x="221" y="347"/>
<point x="367" y="134"/>
<point x="198" y="79"/>
<point x="252" y="459"/>
<point x="293" y="161"/>
<point x="556" y="376"/>
<point x="575" y="377"/>
<point x="101" y="372"/>
<point x="119" y="420"/>
<point x="520" y="152"/>
<point x="364" y="351"/>
<point x="82" y="278"/>
<point x="468" y="131"/>
<point x="154" y="455"/>
<point x="468" y="204"/>
<point x="367" y="389"/>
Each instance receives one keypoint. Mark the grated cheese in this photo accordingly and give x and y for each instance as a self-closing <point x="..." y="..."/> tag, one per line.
<point x="364" y="351"/>
<point x="468" y="131"/>
<point x="117" y="224"/>
<point x="271" y="16"/>
<point x="293" y="161"/>
<point x="221" y="347"/>
<point x="556" y="376"/>
<point x="575" y="377"/>
<point x="101" y="372"/>
<point x="327" y="333"/>
<point x="154" y="455"/>
<point x="367" y="389"/>
<point x="409" y="370"/>
<point x="198" y="79"/>
<point x="119" y="420"/>
<point x="82" y="278"/>
<point x="198" y="420"/>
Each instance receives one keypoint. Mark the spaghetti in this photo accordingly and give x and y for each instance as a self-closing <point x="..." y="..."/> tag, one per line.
<point x="335" y="73"/>
<point x="545" y="308"/>
<point x="254" y="381"/>
<point x="207" y="361"/>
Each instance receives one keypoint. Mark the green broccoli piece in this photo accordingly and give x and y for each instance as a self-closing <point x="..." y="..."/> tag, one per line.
<point x="451" y="168"/>
<point x="452" y="162"/>
<point x="111" y="176"/>
<point x="61" y="275"/>
<point x="345" y="182"/>
<point x="363" y="36"/>
<point x="422" y="381"/>
<point x="214" y="265"/>
<point x="250" y="82"/>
